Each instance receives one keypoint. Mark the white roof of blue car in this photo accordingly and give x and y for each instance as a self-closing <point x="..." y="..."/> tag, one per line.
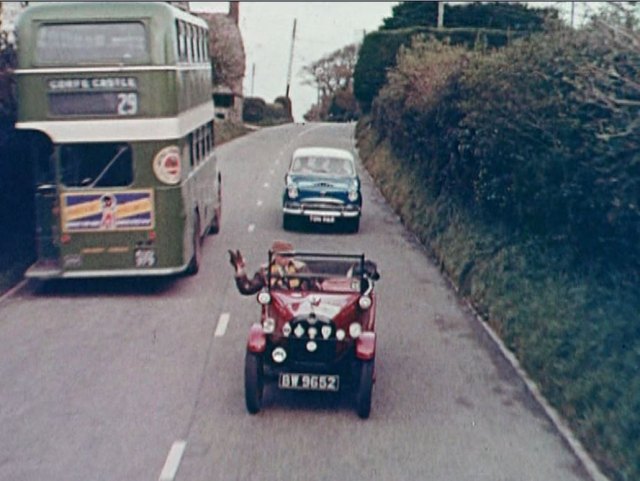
<point x="322" y="152"/>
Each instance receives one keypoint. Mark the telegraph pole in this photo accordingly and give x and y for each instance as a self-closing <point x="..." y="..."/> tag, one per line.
<point x="440" y="14"/>
<point x="293" y="41"/>
<point x="573" y="11"/>
<point x="253" y="77"/>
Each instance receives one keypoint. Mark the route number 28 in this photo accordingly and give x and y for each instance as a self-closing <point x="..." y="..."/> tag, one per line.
<point x="127" y="104"/>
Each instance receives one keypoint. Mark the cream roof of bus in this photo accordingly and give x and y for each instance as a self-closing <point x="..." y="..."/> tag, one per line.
<point x="70" y="11"/>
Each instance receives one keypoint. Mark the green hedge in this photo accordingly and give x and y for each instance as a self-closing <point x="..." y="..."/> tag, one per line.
<point x="259" y="112"/>
<point x="519" y="138"/>
<point x="521" y="171"/>
<point x="379" y="50"/>
<point x="496" y="15"/>
<point x="16" y="181"/>
<point x="576" y="335"/>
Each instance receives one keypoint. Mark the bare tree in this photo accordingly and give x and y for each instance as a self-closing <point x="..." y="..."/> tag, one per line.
<point x="332" y="75"/>
<point x="333" y="72"/>
<point x="610" y="79"/>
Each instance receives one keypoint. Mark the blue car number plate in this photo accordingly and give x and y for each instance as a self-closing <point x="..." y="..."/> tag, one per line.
<point x="309" y="382"/>
<point x="324" y="219"/>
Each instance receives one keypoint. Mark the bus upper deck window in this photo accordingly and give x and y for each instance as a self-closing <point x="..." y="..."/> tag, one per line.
<point x="96" y="165"/>
<point x="93" y="43"/>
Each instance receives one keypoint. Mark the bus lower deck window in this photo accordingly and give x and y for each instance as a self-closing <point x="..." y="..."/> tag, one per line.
<point x="96" y="165"/>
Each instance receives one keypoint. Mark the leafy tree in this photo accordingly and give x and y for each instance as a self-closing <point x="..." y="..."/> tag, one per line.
<point x="413" y="14"/>
<point x="496" y="15"/>
<point x="343" y="106"/>
<point x="226" y="50"/>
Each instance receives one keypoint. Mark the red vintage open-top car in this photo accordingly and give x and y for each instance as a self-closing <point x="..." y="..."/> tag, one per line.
<point x="316" y="329"/>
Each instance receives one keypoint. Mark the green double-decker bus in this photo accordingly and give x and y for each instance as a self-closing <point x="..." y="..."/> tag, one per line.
<point x="116" y="98"/>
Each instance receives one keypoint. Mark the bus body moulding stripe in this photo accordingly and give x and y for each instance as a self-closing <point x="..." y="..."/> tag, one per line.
<point x="123" y="130"/>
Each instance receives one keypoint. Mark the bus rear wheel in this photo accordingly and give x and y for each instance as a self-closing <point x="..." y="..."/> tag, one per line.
<point x="214" y="228"/>
<point x="194" y="264"/>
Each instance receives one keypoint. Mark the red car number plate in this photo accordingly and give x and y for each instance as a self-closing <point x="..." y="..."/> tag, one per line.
<point x="309" y="382"/>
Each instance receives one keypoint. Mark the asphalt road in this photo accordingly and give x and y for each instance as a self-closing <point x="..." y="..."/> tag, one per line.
<point x="142" y="380"/>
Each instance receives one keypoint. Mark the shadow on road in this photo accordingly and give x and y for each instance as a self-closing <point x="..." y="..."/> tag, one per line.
<point x="140" y="286"/>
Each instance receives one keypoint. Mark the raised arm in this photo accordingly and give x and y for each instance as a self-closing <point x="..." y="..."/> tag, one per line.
<point x="245" y="285"/>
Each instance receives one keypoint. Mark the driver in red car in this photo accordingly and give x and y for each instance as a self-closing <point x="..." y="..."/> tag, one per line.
<point x="281" y="266"/>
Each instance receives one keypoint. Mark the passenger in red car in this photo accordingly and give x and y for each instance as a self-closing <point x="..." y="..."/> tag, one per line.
<point x="281" y="267"/>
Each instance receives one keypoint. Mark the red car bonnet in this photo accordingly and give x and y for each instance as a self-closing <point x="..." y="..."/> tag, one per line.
<point x="286" y="305"/>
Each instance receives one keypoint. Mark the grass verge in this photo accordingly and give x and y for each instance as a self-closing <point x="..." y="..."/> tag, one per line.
<point x="574" y="328"/>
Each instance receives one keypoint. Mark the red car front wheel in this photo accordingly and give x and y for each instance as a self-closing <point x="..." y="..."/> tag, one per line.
<point x="365" y="389"/>
<point x="253" y="382"/>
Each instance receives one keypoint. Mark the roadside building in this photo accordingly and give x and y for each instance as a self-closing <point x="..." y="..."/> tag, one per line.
<point x="226" y="49"/>
<point x="9" y="12"/>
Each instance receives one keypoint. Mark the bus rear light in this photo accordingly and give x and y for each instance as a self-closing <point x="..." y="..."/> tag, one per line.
<point x="167" y="165"/>
<point x="65" y="238"/>
<point x="152" y="235"/>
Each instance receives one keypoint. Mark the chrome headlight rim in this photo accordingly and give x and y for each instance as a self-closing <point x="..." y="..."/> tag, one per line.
<point x="365" y="302"/>
<point x="264" y="298"/>
<point x="279" y="355"/>
<point x="292" y="191"/>
<point x="353" y="195"/>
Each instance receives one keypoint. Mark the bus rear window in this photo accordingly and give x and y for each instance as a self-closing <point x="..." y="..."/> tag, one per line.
<point x="96" y="165"/>
<point x="93" y="43"/>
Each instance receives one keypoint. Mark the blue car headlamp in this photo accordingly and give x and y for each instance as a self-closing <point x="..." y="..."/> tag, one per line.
<point x="292" y="191"/>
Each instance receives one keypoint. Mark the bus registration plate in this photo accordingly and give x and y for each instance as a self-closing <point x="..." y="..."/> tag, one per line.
<point x="309" y="382"/>
<point x="145" y="257"/>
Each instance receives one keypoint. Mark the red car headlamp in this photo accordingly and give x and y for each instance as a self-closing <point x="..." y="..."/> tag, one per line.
<point x="264" y="298"/>
<point x="364" y="302"/>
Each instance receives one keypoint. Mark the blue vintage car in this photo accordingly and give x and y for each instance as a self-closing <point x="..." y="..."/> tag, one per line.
<point x="322" y="186"/>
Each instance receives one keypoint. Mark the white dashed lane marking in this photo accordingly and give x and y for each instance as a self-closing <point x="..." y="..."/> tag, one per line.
<point x="251" y="227"/>
<point x="172" y="463"/>
<point x="259" y="203"/>
<point x="223" y="322"/>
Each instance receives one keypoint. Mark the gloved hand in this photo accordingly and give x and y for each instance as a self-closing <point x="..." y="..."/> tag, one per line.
<point x="236" y="260"/>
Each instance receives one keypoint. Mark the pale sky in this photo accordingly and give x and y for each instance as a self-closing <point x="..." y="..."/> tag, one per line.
<point x="322" y="27"/>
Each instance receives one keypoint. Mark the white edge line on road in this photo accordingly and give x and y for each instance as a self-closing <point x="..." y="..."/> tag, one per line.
<point x="172" y="463"/>
<point x="574" y="444"/>
<point x="13" y="290"/>
<point x="223" y="322"/>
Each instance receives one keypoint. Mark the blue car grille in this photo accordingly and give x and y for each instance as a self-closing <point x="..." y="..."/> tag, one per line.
<point x="317" y="205"/>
